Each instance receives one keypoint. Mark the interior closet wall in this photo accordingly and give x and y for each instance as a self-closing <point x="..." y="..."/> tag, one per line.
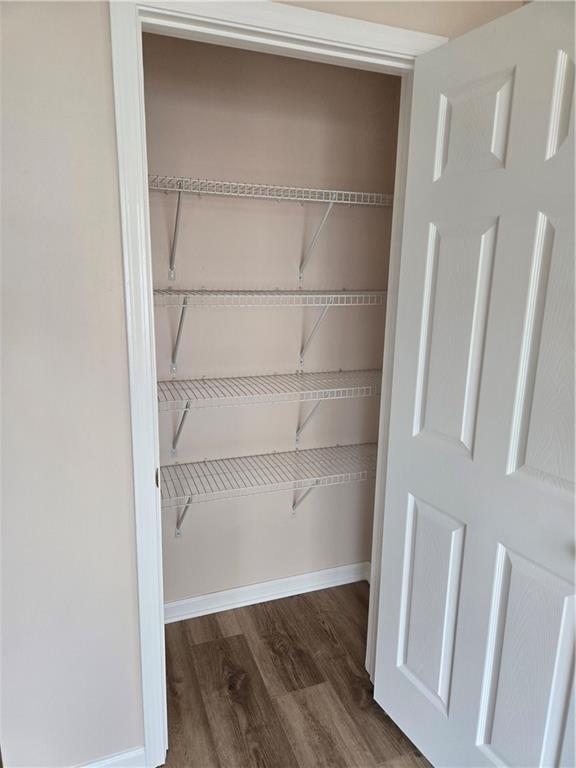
<point x="222" y="113"/>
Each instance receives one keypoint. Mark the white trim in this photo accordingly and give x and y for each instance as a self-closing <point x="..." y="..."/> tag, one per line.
<point x="133" y="758"/>
<point x="263" y="26"/>
<point x="264" y="591"/>
<point x="290" y="31"/>
<point x="387" y="366"/>
<point x="133" y="180"/>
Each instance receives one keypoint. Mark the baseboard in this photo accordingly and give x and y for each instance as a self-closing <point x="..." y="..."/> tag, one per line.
<point x="265" y="590"/>
<point x="133" y="758"/>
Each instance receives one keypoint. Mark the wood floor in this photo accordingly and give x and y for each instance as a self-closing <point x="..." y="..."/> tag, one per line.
<point x="279" y="685"/>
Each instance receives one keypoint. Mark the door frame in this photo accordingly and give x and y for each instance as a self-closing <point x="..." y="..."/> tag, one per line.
<point x="258" y="26"/>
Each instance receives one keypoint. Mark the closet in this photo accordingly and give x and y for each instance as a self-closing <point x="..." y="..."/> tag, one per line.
<point x="271" y="193"/>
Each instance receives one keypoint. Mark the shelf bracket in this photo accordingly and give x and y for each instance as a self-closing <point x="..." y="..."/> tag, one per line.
<point x="302" y="426"/>
<point x="312" y="244"/>
<point x="173" y="363"/>
<point x="172" y="269"/>
<point x="181" y="516"/>
<point x="313" y="333"/>
<point x="179" y="430"/>
<point x="296" y="503"/>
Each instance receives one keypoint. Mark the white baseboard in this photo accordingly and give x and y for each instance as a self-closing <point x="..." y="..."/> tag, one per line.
<point x="133" y="758"/>
<point x="265" y="590"/>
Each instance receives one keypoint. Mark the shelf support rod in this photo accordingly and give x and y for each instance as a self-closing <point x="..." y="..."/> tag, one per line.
<point x="172" y="270"/>
<point x="181" y="516"/>
<point x="312" y="244"/>
<point x="296" y="503"/>
<point x="179" y="430"/>
<point x="302" y="426"/>
<point x="173" y="365"/>
<point x="313" y="333"/>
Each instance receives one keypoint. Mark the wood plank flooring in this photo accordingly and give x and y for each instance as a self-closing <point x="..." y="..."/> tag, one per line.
<point x="279" y="685"/>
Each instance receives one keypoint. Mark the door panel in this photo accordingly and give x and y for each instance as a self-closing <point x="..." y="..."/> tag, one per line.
<point x="532" y="618"/>
<point x="457" y="292"/>
<point x="473" y="121"/>
<point x="476" y="634"/>
<point x="430" y="586"/>
<point x="542" y="440"/>
<point x="561" y="100"/>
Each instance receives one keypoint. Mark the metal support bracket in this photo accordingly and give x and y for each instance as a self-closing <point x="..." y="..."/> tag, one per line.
<point x="173" y="363"/>
<point x="172" y="269"/>
<point x="302" y="426"/>
<point x="312" y="244"/>
<point x="296" y="503"/>
<point x="313" y="333"/>
<point x="179" y="430"/>
<point x="181" y="516"/>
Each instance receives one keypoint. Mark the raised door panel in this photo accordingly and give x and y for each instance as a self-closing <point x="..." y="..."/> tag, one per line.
<point x="457" y="285"/>
<point x="542" y="440"/>
<point x="529" y="665"/>
<point x="433" y="550"/>
<point x="561" y="107"/>
<point x="473" y="123"/>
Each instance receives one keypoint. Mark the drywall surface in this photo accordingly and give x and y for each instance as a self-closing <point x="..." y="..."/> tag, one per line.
<point x="446" y="17"/>
<point x="70" y="658"/>
<point x="223" y="113"/>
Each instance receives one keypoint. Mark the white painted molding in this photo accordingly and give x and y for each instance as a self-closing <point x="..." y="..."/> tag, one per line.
<point x="133" y="182"/>
<point x="388" y="366"/>
<point x="290" y="31"/>
<point x="134" y="758"/>
<point x="265" y="590"/>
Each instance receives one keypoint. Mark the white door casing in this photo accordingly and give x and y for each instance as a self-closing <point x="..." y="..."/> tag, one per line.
<point x="475" y="651"/>
<point x="262" y="26"/>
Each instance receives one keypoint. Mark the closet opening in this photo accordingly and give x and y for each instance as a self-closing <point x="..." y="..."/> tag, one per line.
<point x="271" y="184"/>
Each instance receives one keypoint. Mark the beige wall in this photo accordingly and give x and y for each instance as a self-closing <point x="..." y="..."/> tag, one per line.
<point x="70" y="664"/>
<point x="449" y="17"/>
<point x="230" y="114"/>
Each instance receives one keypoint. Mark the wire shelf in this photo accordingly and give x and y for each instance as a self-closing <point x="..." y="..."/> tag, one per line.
<point x="262" y="390"/>
<point x="170" y="297"/>
<point x="184" y="484"/>
<point x="266" y="191"/>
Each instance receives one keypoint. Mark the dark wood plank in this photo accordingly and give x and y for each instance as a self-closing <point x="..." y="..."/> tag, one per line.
<point x="283" y="659"/>
<point x="344" y="615"/>
<point x="228" y="623"/>
<point x="211" y="627"/>
<point x="353" y="687"/>
<point x="202" y="629"/>
<point x="219" y="707"/>
<point x="313" y="627"/>
<point x="361" y="592"/>
<point x="324" y="620"/>
<point x="415" y="760"/>
<point x="242" y="718"/>
<point x="189" y="736"/>
<point x="321" y="732"/>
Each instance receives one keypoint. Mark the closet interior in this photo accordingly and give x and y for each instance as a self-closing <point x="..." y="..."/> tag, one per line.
<point x="271" y="187"/>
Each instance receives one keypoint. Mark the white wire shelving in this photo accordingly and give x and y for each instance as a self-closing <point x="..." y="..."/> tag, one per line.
<point x="330" y="197"/>
<point x="171" y="297"/>
<point x="266" y="191"/>
<point x="191" y="394"/>
<point x="184" y="299"/>
<point x="304" y="470"/>
<point x="175" y="396"/>
<point x="299" y="471"/>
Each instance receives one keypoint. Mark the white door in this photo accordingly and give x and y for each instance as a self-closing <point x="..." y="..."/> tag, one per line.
<point x="476" y="621"/>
